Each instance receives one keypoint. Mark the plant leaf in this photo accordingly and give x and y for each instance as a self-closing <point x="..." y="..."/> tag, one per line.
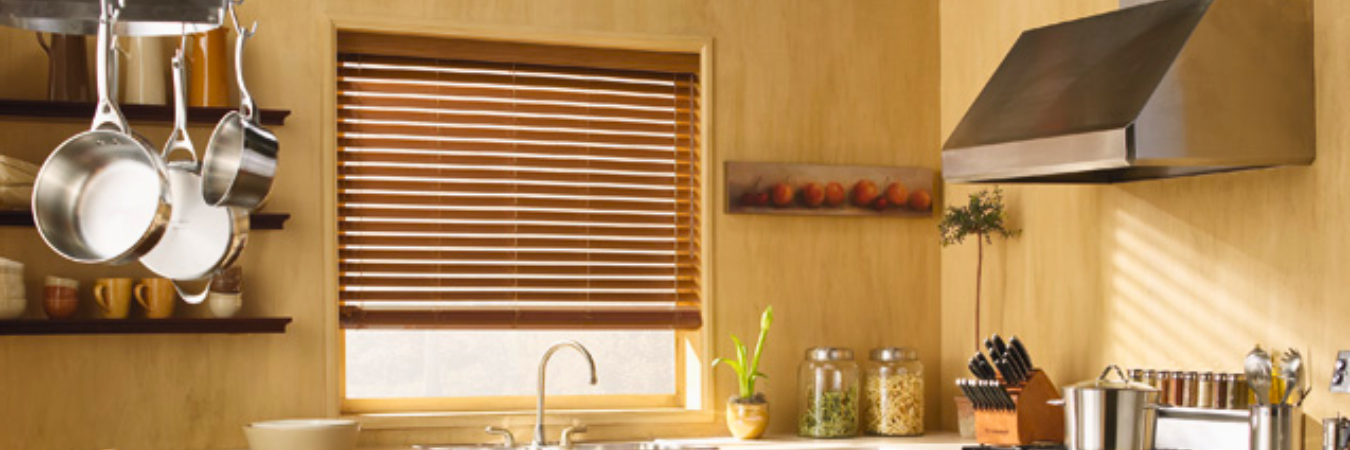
<point x="734" y="366"/>
<point x="740" y="350"/>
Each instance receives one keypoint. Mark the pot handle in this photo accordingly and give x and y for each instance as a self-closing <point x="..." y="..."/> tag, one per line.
<point x="193" y="298"/>
<point x="106" y="115"/>
<point x="1119" y="373"/>
<point x="247" y="107"/>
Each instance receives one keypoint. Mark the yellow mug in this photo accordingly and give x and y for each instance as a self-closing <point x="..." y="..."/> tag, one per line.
<point x="157" y="296"/>
<point x="113" y="296"/>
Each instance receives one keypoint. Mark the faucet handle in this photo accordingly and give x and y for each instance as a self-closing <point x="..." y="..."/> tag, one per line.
<point x="566" y="441"/>
<point x="508" y="439"/>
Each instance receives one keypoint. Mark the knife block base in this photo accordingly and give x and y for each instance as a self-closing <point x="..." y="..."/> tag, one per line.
<point x="1034" y="420"/>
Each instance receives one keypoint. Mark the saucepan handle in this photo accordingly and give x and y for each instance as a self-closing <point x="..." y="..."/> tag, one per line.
<point x="246" y="105"/>
<point x="106" y="114"/>
<point x="190" y="297"/>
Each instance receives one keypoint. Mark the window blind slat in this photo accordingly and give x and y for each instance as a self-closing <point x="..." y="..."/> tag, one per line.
<point x="516" y="193"/>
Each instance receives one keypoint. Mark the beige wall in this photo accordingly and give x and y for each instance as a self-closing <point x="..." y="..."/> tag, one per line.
<point x="846" y="82"/>
<point x="1183" y="274"/>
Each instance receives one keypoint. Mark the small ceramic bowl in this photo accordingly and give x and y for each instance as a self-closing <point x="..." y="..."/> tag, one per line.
<point x="303" y="434"/>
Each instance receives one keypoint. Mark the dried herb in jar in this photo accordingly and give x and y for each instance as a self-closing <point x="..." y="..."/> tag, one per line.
<point x="830" y="414"/>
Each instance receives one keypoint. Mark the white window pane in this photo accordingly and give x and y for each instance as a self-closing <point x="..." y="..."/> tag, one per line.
<point x="420" y="363"/>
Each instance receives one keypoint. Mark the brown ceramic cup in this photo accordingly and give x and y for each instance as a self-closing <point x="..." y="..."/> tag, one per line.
<point x="60" y="297"/>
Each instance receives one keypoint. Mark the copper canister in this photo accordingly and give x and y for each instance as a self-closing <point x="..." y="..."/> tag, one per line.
<point x="1167" y="382"/>
<point x="1189" y="387"/>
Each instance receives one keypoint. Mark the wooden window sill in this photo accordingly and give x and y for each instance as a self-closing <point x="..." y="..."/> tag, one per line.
<point x="414" y="420"/>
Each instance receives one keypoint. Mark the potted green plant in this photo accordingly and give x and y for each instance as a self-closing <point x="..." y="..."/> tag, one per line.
<point x="983" y="217"/>
<point x="748" y="412"/>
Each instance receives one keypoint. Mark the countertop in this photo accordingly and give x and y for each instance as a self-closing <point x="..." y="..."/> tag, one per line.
<point x="931" y="441"/>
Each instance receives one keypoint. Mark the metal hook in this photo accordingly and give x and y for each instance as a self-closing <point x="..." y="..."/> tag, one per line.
<point x="238" y="27"/>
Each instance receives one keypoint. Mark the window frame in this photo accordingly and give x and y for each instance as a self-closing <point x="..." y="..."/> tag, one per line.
<point x="693" y="401"/>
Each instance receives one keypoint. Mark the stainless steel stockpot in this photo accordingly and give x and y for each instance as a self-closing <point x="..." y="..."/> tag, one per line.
<point x="1104" y="414"/>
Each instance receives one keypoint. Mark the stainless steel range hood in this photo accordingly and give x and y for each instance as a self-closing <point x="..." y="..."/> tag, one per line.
<point x="1163" y="89"/>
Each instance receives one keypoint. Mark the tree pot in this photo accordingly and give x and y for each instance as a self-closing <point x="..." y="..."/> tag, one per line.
<point x="747" y="419"/>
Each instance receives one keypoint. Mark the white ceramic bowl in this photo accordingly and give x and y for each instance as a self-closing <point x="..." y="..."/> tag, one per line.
<point x="303" y="434"/>
<point x="12" y="307"/>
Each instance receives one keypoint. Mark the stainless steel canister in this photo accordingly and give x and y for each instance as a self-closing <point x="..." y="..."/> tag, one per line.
<point x="1276" y="427"/>
<point x="1104" y="414"/>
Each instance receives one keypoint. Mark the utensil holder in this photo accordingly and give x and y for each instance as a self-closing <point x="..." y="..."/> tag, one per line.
<point x="1276" y="427"/>
<point x="1034" y="420"/>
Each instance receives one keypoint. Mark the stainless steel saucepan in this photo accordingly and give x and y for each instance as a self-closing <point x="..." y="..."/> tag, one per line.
<point x="241" y="158"/>
<point x="103" y="196"/>
<point x="202" y="240"/>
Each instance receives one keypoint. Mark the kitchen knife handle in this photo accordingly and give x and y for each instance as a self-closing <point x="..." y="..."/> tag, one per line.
<point x="998" y="342"/>
<point x="986" y="367"/>
<point x="1022" y="351"/>
<point x="974" y="366"/>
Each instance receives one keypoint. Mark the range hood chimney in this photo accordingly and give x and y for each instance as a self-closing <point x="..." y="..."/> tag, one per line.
<point x="1158" y="89"/>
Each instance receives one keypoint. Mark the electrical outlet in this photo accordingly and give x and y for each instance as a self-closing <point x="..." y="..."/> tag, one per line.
<point x="1340" y="376"/>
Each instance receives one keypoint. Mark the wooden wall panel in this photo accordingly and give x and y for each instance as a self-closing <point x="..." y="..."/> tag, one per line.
<point x="843" y="82"/>
<point x="1184" y="273"/>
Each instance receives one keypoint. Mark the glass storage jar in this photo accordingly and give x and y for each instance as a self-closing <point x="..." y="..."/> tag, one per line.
<point x="893" y="393"/>
<point x="829" y="394"/>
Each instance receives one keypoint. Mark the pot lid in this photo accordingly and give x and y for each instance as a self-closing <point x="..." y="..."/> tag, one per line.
<point x="1120" y="383"/>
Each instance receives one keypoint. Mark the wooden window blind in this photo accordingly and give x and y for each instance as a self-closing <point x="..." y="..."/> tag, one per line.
<point x="516" y="190"/>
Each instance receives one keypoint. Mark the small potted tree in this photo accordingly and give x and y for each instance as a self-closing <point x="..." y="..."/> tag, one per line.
<point x="982" y="217"/>
<point x="748" y="412"/>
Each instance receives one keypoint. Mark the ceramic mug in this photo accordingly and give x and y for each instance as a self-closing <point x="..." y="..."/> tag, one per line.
<point x="157" y="296"/>
<point x="113" y="296"/>
<point x="146" y="71"/>
<point x="228" y="281"/>
<point x="224" y="305"/>
<point x="59" y="297"/>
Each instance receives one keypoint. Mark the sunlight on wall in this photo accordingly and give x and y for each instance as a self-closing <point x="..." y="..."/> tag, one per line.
<point x="1170" y="307"/>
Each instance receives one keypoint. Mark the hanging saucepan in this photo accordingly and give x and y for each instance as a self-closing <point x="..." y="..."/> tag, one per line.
<point x="241" y="158"/>
<point x="102" y="196"/>
<point x="201" y="240"/>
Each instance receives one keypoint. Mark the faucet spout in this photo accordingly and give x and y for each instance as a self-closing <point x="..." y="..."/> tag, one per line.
<point x="538" y="441"/>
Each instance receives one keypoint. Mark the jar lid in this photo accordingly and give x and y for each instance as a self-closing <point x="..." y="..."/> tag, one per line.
<point x="889" y="354"/>
<point x="1119" y="384"/>
<point x="829" y="354"/>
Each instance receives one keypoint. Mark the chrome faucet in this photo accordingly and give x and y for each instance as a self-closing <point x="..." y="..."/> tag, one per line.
<point x="538" y="442"/>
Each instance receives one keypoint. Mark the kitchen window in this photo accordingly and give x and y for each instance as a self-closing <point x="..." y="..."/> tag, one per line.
<point x="497" y="197"/>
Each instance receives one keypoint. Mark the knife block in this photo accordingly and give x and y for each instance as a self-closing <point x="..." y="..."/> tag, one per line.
<point x="1034" y="420"/>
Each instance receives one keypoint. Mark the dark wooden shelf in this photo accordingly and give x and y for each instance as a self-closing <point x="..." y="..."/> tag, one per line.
<point x="40" y="109"/>
<point x="257" y="221"/>
<point x="41" y="327"/>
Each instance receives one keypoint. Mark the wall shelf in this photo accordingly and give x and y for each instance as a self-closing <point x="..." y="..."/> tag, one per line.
<point x="44" y="327"/>
<point x="41" y="109"/>
<point x="257" y="221"/>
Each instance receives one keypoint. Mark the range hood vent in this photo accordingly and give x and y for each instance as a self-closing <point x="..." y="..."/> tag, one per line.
<point x="1163" y="89"/>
